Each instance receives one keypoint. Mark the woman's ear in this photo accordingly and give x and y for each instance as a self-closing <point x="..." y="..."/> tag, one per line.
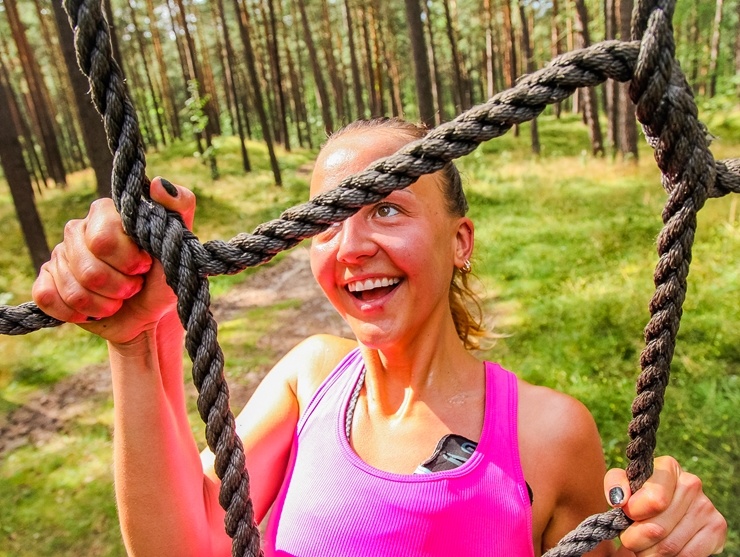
<point x="464" y="241"/>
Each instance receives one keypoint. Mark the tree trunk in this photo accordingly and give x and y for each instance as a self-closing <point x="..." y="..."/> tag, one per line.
<point x="627" y="120"/>
<point x="737" y="49"/>
<point x="67" y="127"/>
<point x="490" y="60"/>
<point x="296" y="87"/>
<point x="437" y="89"/>
<point x="331" y="63"/>
<point x="714" y="49"/>
<point x="529" y="66"/>
<point x="39" y="106"/>
<point x="170" y="104"/>
<point x="390" y="48"/>
<point x="242" y="18"/>
<point x="209" y="82"/>
<point x="556" y="47"/>
<point x="91" y="123"/>
<point x="590" y="103"/>
<point x="378" y="70"/>
<point x="356" y="81"/>
<point x="611" y="87"/>
<point x="509" y="39"/>
<point x="374" y="101"/>
<point x="152" y="96"/>
<point x="316" y="67"/>
<point x="458" y="82"/>
<point x="231" y="84"/>
<point x="274" y="51"/>
<point x="19" y="181"/>
<point x="19" y="122"/>
<point x="422" y="75"/>
<point x="195" y="72"/>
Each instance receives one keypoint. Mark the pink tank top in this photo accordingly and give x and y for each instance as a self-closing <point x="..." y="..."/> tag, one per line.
<point x="334" y="504"/>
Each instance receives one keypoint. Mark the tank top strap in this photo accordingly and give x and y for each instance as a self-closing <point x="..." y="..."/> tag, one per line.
<point x="332" y="392"/>
<point x="500" y="437"/>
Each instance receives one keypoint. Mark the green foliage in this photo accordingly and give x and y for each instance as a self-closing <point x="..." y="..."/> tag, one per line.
<point x="564" y="257"/>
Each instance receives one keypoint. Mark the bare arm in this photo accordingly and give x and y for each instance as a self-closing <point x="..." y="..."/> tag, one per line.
<point x="672" y="515"/>
<point x="162" y="503"/>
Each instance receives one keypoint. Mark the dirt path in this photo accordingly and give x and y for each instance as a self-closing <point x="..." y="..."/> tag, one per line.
<point x="49" y="412"/>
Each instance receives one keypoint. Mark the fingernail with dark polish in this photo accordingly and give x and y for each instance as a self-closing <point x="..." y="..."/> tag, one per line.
<point x="616" y="496"/>
<point x="168" y="187"/>
<point x="91" y="318"/>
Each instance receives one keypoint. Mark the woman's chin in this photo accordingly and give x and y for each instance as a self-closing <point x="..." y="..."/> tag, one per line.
<point x="373" y="335"/>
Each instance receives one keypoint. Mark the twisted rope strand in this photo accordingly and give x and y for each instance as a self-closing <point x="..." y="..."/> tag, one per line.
<point x="664" y="106"/>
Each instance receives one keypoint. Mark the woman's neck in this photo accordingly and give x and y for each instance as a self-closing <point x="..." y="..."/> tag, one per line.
<point x="429" y="368"/>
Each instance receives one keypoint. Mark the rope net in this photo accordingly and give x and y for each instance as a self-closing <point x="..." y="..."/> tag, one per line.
<point x="665" y="108"/>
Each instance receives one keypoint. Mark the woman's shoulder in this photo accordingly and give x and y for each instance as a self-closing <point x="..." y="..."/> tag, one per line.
<point x="561" y="455"/>
<point x="553" y="416"/>
<point x="311" y="362"/>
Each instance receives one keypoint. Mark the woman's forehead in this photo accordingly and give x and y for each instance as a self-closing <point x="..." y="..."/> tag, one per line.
<point x="352" y="153"/>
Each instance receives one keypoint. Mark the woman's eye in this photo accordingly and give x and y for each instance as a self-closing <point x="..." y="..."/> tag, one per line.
<point x="386" y="211"/>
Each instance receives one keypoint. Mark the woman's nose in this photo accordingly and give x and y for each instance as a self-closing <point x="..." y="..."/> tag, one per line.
<point x="355" y="240"/>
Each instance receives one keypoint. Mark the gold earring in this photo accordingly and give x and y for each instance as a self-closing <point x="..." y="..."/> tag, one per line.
<point x="467" y="267"/>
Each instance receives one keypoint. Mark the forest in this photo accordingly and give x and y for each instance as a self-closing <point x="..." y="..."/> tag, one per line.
<point x="289" y="72"/>
<point x="234" y="99"/>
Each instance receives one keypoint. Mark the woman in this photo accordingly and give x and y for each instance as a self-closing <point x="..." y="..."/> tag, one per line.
<point x="338" y="436"/>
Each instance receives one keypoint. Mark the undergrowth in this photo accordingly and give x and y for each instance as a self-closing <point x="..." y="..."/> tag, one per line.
<point x="564" y="255"/>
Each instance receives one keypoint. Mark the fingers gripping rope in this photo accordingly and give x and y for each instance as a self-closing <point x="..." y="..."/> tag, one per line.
<point x="665" y="108"/>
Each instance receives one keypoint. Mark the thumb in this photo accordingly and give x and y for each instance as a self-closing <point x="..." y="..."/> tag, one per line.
<point x="617" y="487"/>
<point x="175" y="198"/>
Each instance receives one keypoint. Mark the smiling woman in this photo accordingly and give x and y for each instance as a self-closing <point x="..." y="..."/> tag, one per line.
<point x="393" y="443"/>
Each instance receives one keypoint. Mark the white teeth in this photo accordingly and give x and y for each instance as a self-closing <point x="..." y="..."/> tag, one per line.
<point x="370" y="284"/>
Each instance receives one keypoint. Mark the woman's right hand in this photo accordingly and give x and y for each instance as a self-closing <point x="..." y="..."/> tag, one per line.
<point x="100" y="279"/>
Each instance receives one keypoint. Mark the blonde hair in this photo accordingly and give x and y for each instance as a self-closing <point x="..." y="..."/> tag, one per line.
<point x="467" y="313"/>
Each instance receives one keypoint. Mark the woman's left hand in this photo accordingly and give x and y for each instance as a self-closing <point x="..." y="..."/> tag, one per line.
<point x="671" y="513"/>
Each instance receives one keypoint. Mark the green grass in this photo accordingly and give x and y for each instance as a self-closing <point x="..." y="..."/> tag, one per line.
<point x="565" y="253"/>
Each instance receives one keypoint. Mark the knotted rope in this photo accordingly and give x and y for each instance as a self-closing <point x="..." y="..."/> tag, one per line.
<point x="664" y="106"/>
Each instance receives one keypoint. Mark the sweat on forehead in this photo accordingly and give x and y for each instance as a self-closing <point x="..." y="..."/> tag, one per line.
<point x="351" y="153"/>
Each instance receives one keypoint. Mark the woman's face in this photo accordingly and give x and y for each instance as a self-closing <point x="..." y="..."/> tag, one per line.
<point x="387" y="269"/>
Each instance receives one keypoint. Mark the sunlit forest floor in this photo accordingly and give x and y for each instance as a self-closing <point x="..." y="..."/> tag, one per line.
<point x="564" y="257"/>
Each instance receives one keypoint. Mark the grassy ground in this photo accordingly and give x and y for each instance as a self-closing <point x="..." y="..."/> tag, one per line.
<point x="564" y="257"/>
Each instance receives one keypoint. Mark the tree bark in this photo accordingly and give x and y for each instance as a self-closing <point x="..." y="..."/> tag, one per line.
<point x="39" y="106"/>
<point x="297" y="95"/>
<point x="490" y="60"/>
<point x="737" y="48"/>
<point x="274" y="51"/>
<point x="556" y="47"/>
<point x="170" y="104"/>
<point x="242" y="18"/>
<point x="332" y="65"/>
<point x="529" y="66"/>
<point x="437" y="89"/>
<point x="460" y="95"/>
<point x="146" y="66"/>
<point x="231" y="84"/>
<point x="356" y="80"/>
<point x="422" y="75"/>
<point x="590" y="103"/>
<point x="316" y="68"/>
<point x="627" y="119"/>
<point x="19" y="181"/>
<point x="714" y="48"/>
<point x="374" y="100"/>
<point x="91" y="123"/>
<point x="611" y="87"/>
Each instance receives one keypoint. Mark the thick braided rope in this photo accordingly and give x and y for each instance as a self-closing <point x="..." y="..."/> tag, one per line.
<point x="161" y="234"/>
<point x="187" y="262"/>
<point x="666" y="109"/>
<point x="667" y="112"/>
